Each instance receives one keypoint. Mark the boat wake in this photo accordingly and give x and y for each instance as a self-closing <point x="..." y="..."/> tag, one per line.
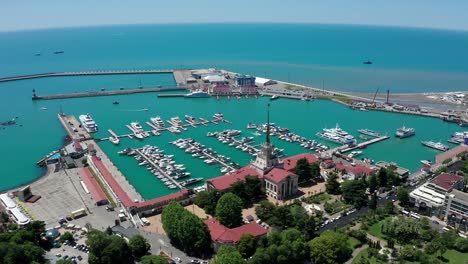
<point x="133" y="110"/>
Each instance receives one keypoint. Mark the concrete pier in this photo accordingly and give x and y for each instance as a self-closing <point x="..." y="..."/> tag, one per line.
<point x="85" y="73"/>
<point x="366" y="143"/>
<point x="106" y="93"/>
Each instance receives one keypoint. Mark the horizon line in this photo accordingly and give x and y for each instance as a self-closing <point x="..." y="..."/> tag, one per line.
<point x="238" y="23"/>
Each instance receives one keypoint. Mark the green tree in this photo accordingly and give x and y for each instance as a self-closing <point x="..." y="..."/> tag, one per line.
<point x="402" y="229"/>
<point x="373" y="202"/>
<point x="354" y="192"/>
<point x="389" y="208"/>
<point x="461" y="244"/>
<point x="185" y="230"/>
<point x="139" y="246"/>
<point x="315" y="172"/>
<point x="247" y="245"/>
<point x="228" y="255"/>
<point x="105" y="249"/>
<point x="229" y="210"/>
<point x="265" y="210"/>
<point x="67" y="236"/>
<point x="207" y="200"/>
<point x="382" y="177"/>
<point x="63" y="261"/>
<point x="282" y="217"/>
<point x="152" y="259"/>
<point x="372" y="184"/>
<point x="303" y="169"/>
<point x="332" y="184"/>
<point x="330" y="248"/>
<point x="403" y="196"/>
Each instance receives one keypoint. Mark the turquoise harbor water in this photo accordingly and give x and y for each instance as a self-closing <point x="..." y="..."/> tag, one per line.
<point x="406" y="60"/>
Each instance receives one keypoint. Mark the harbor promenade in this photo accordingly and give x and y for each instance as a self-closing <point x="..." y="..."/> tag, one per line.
<point x="72" y="128"/>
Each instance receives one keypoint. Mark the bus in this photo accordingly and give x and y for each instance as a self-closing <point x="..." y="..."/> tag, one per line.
<point x="78" y="213"/>
<point x="415" y="216"/>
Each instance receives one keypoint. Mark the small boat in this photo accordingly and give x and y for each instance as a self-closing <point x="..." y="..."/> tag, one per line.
<point x="59" y="52"/>
<point x="114" y="140"/>
<point x="116" y="102"/>
<point x="368" y="62"/>
<point x="427" y="162"/>
<point x="43" y="108"/>
<point x="435" y="145"/>
<point x="274" y="97"/>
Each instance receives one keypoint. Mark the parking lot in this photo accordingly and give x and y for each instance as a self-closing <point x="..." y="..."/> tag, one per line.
<point x="75" y="251"/>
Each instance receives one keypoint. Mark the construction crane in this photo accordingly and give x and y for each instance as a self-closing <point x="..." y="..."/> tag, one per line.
<point x="373" y="99"/>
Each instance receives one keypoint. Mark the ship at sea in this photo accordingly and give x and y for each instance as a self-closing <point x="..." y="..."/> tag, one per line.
<point x="88" y="123"/>
<point x="435" y="145"/>
<point x="404" y="132"/>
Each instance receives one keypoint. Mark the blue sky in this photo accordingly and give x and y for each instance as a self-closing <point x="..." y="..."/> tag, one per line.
<point x="34" y="14"/>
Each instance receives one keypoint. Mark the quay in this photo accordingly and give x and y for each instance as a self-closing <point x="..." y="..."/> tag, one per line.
<point x="363" y="144"/>
<point x="176" y="183"/>
<point x="85" y="73"/>
<point x="105" y="93"/>
<point x="211" y="156"/>
<point x="171" y="95"/>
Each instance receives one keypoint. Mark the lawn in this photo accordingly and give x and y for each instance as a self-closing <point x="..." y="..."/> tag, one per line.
<point x="455" y="257"/>
<point x="363" y="254"/>
<point x="318" y="199"/>
<point x="353" y="242"/>
<point x="335" y="207"/>
<point x="375" y="230"/>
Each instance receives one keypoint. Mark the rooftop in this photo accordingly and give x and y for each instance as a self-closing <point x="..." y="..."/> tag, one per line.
<point x="222" y="234"/>
<point x="459" y="195"/>
<point x="97" y="193"/>
<point x="290" y="162"/>
<point x="224" y="182"/>
<point x="447" y="181"/>
<point x="277" y="175"/>
<point x="358" y="169"/>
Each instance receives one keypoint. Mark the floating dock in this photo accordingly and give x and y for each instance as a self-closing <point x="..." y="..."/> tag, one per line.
<point x="176" y="183"/>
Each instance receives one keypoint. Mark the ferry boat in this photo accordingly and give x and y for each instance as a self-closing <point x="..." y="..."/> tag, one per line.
<point x="197" y="94"/>
<point x="274" y="97"/>
<point x="369" y="132"/>
<point x="191" y="181"/>
<point x="435" y="145"/>
<point x="88" y="123"/>
<point x="404" y="132"/>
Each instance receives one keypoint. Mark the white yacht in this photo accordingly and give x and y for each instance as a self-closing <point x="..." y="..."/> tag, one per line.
<point x="88" y="123"/>
<point x="435" y="145"/>
<point x="114" y="140"/>
<point x="158" y="122"/>
<point x="136" y="126"/>
<point x="197" y="94"/>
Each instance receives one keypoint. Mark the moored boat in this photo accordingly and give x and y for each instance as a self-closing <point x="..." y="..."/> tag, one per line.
<point x="435" y="145"/>
<point x="404" y="132"/>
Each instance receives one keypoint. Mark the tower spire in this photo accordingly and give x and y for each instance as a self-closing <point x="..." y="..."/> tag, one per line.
<point x="268" y="126"/>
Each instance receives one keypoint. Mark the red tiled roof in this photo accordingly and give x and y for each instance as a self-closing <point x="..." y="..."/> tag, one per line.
<point x="358" y="169"/>
<point x="222" y="234"/>
<point x="447" y="180"/>
<point x="123" y="196"/>
<point x="224" y="182"/>
<point x="169" y="197"/>
<point x="290" y="162"/>
<point x="93" y="186"/>
<point x="77" y="145"/>
<point x="277" y="175"/>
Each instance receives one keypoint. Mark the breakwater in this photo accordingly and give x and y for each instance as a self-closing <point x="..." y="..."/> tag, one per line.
<point x="106" y="93"/>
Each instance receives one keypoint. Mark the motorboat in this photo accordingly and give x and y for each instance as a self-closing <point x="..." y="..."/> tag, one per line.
<point x="435" y="145"/>
<point x="197" y="94"/>
<point x="114" y="140"/>
<point x="88" y="123"/>
<point x="404" y="132"/>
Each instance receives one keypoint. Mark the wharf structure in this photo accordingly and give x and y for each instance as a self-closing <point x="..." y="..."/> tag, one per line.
<point x="114" y="181"/>
<point x="276" y="176"/>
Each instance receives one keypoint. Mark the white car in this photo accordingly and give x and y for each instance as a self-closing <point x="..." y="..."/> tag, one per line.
<point x="177" y="260"/>
<point x="58" y="255"/>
